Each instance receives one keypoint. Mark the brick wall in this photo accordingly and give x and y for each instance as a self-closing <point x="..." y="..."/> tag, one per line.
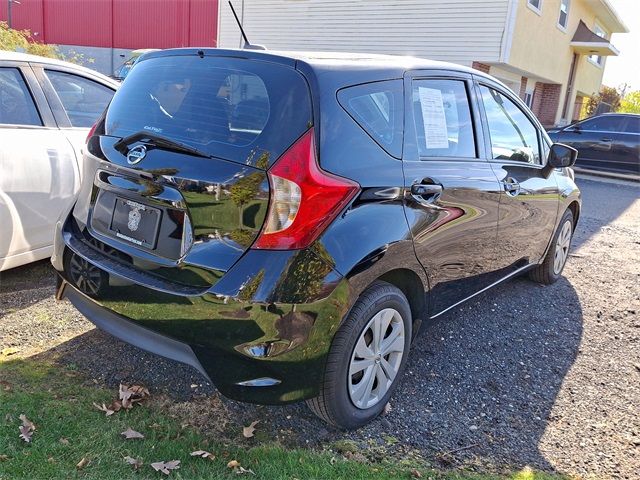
<point x="483" y="67"/>
<point x="546" y="98"/>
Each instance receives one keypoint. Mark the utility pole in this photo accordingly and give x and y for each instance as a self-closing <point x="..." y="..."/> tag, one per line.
<point x="9" y="5"/>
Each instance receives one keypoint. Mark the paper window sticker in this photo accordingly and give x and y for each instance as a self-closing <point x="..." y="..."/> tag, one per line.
<point x="434" y="118"/>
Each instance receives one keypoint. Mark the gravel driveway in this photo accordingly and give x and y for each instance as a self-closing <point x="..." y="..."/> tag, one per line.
<point x="524" y="375"/>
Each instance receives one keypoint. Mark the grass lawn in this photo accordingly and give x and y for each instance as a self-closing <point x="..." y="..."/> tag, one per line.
<point x="69" y="429"/>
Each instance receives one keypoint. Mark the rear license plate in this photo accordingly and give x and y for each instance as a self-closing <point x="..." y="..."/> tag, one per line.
<point x="135" y="223"/>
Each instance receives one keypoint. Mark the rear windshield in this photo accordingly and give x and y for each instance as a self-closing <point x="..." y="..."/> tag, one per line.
<point x="243" y="110"/>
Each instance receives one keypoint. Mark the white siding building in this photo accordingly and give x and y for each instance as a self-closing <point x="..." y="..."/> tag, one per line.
<point x="461" y="31"/>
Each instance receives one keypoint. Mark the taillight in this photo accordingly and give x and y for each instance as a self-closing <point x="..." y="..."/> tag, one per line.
<point x="92" y="130"/>
<point x="304" y="198"/>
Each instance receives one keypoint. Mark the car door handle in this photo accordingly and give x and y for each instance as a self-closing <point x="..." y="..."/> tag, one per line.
<point x="511" y="186"/>
<point x="427" y="191"/>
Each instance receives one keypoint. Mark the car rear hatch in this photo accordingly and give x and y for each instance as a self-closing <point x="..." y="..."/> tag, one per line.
<point x="175" y="184"/>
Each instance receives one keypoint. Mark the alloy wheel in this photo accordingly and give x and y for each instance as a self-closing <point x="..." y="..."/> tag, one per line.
<point x="84" y="275"/>
<point x="376" y="358"/>
<point x="562" y="248"/>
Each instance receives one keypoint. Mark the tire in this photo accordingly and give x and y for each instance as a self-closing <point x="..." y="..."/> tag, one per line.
<point x="86" y="277"/>
<point x="343" y="400"/>
<point x="549" y="271"/>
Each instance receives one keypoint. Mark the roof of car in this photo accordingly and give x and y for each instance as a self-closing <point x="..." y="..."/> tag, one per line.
<point x="6" y="55"/>
<point x="624" y="114"/>
<point x="326" y="60"/>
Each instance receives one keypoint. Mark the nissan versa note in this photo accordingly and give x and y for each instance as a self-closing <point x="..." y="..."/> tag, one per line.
<point x="285" y="222"/>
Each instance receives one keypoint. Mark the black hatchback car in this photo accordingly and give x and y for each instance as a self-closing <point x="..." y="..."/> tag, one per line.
<point x="285" y="223"/>
<point x="608" y="142"/>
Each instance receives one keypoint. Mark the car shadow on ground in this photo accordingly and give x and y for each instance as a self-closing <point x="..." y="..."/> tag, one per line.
<point x="479" y="387"/>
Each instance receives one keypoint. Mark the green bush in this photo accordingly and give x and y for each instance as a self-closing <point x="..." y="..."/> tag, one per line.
<point x="22" y="40"/>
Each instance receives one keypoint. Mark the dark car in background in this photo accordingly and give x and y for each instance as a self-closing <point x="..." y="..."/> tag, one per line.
<point x="284" y="223"/>
<point x="608" y="142"/>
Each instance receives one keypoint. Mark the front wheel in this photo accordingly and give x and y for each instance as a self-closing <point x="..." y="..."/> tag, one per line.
<point x="366" y="359"/>
<point x="550" y="269"/>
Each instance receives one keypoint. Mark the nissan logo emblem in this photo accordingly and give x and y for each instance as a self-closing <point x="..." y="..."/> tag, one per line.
<point x="136" y="154"/>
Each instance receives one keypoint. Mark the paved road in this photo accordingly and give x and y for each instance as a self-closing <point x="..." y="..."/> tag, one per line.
<point x="523" y="375"/>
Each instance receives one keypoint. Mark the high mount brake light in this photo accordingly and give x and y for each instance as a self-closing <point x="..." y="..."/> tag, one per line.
<point x="304" y="198"/>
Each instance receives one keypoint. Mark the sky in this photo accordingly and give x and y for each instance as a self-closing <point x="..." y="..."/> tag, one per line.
<point x="625" y="68"/>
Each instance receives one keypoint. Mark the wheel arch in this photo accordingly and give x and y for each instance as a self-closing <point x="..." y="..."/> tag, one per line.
<point x="412" y="287"/>
<point x="574" y="206"/>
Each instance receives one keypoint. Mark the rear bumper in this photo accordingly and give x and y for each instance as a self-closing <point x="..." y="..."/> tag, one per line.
<point x="260" y="334"/>
<point x="128" y="331"/>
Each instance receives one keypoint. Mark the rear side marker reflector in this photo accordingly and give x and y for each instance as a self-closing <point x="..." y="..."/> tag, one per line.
<point x="304" y="198"/>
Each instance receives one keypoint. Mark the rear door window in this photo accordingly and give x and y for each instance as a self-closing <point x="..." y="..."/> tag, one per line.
<point x="377" y="108"/>
<point x="82" y="99"/>
<point x="632" y="125"/>
<point x="16" y="103"/>
<point x="443" y="119"/>
<point x="237" y="109"/>
<point x="604" y="123"/>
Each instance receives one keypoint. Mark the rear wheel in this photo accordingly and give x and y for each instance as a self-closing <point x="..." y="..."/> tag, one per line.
<point x="366" y="360"/>
<point x="88" y="278"/>
<point x="550" y="270"/>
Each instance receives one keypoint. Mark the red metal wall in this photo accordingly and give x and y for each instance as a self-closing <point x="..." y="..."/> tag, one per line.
<point x="118" y="23"/>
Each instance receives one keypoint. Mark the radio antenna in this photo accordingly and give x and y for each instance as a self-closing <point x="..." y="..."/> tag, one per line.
<point x="247" y="44"/>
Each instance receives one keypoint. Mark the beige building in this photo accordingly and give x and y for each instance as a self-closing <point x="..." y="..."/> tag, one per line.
<point x="551" y="52"/>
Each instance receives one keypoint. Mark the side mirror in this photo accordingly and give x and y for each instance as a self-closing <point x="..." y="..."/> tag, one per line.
<point x="561" y="156"/>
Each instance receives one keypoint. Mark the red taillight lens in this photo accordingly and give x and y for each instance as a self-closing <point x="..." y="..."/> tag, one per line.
<point x="91" y="132"/>
<point x="304" y="198"/>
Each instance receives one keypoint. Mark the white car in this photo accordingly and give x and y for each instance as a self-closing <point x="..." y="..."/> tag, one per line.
<point x="46" y="110"/>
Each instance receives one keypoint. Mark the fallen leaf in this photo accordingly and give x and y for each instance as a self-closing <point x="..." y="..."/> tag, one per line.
<point x="416" y="473"/>
<point x="6" y="386"/>
<point x="26" y="422"/>
<point x="166" y="467"/>
<point x="387" y="409"/>
<point x="103" y="408"/>
<point x="136" y="463"/>
<point x="4" y="458"/>
<point x="82" y="463"/>
<point x="203" y="454"/>
<point x="9" y="351"/>
<point x="242" y="471"/>
<point x="129" y="395"/>
<point x="64" y="441"/>
<point x="233" y="464"/>
<point x="26" y="429"/>
<point x="248" y="431"/>
<point x="131" y="434"/>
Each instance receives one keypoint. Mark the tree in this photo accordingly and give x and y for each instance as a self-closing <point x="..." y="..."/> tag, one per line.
<point x="609" y="95"/>
<point x="630" y="103"/>
<point x="244" y="190"/>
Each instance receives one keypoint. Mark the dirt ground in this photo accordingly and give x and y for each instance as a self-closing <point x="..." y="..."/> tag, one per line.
<point x="523" y="375"/>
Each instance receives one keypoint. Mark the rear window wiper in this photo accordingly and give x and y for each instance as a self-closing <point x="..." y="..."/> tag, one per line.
<point x="158" y="141"/>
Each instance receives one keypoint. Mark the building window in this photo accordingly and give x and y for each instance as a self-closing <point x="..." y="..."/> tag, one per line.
<point x="597" y="59"/>
<point x="535" y="5"/>
<point x="528" y="98"/>
<point x="563" y="18"/>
